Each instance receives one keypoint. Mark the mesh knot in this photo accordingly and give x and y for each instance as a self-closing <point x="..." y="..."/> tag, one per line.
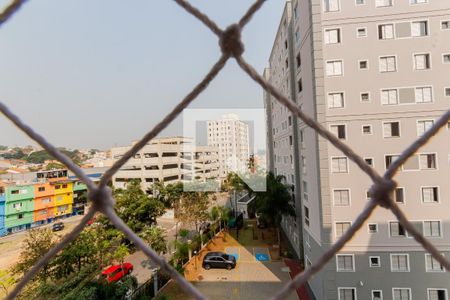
<point x="102" y="198"/>
<point x="230" y="41"/>
<point x="381" y="192"/>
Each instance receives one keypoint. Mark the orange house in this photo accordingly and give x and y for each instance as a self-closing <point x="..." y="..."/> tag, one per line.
<point x="44" y="202"/>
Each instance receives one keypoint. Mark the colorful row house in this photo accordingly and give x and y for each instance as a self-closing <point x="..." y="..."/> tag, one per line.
<point x="49" y="197"/>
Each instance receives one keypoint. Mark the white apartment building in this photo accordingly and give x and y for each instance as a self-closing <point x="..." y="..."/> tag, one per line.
<point x="376" y="73"/>
<point x="230" y="136"/>
<point x="167" y="159"/>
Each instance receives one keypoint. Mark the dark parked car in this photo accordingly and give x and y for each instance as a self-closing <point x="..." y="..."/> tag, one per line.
<point x="218" y="260"/>
<point x="58" y="226"/>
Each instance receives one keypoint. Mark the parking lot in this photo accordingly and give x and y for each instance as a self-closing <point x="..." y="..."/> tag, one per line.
<point x="258" y="273"/>
<point x="251" y="279"/>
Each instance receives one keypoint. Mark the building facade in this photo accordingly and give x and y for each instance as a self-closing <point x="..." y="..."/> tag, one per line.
<point x="230" y="136"/>
<point x="372" y="73"/>
<point x="27" y="204"/>
<point x="168" y="160"/>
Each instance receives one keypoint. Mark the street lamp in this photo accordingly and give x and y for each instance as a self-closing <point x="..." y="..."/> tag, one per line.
<point x="155" y="280"/>
<point x="195" y="259"/>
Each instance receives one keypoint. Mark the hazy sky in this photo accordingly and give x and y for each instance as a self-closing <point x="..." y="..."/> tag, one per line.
<point x="94" y="74"/>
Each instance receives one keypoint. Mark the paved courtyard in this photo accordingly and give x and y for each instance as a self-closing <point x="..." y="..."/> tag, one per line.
<point x="259" y="272"/>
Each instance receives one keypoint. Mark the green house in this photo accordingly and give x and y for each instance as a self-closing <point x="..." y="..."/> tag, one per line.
<point x="19" y="207"/>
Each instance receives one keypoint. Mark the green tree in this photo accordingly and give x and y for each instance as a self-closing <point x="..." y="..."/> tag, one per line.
<point x="77" y="254"/>
<point x="168" y="194"/>
<point x="6" y="281"/>
<point x="54" y="165"/>
<point x="193" y="208"/>
<point x="156" y="238"/>
<point x="36" y="245"/>
<point x="275" y="202"/>
<point x="120" y="253"/>
<point x="136" y="208"/>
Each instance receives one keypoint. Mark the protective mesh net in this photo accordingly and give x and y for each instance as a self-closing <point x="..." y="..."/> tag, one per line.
<point x="232" y="47"/>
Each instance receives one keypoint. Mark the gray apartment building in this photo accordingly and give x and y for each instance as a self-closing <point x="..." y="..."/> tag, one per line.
<point x="377" y="74"/>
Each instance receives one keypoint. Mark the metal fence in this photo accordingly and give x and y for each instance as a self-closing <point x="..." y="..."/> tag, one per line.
<point x="231" y="47"/>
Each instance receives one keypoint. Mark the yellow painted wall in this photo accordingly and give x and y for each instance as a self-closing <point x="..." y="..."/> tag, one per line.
<point x="63" y="204"/>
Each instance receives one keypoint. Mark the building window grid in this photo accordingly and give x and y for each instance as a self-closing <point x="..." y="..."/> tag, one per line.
<point x="345" y="263"/>
<point x="399" y="263"/>
<point x="401" y="293"/>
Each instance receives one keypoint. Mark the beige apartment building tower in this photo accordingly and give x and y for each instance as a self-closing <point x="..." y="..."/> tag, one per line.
<point x="168" y="160"/>
<point x="230" y="136"/>
<point x="377" y="74"/>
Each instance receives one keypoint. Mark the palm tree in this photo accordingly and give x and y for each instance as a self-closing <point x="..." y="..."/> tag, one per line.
<point x="275" y="202"/>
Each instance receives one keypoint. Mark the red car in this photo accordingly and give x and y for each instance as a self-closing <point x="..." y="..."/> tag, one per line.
<point x="116" y="272"/>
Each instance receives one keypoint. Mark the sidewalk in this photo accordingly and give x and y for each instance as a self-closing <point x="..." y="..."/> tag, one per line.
<point x="296" y="268"/>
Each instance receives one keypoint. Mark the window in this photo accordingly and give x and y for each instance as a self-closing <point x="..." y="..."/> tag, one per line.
<point x="367" y="129"/>
<point x="360" y="2"/>
<point x="339" y="165"/>
<point x="46" y="200"/>
<point x="446" y="58"/>
<point x="363" y="64"/>
<point x="20" y="216"/>
<point x="430" y="195"/>
<point x="285" y="44"/>
<point x="391" y="129"/>
<point x="418" y="1"/>
<point x="381" y="3"/>
<point x="369" y="161"/>
<point x="41" y="189"/>
<point x="399" y="195"/>
<point x="421" y="61"/>
<point x="423" y="126"/>
<point x="338" y="130"/>
<point x="57" y="187"/>
<point x="447" y="92"/>
<point x="298" y="60"/>
<point x="427" y="161"/>
<point x="361" y="32"/>
<point x="17" y="206"/>
<point x="332" y="36"/>
<point x="432" y="228"/>
<point x="401" y="294"/>
<point x="445" y="25"/>
<point x="399" y="263"/>
<point x="341" y="197"/>
<point x="331" y="5"/>
<point x="300" y="85"/>
<point x="389" y="159"/>
<point x="424" y="95"/>
<point x="306" y="216"/>
<point x="432" y="265"/>
<point x="386" y="31"/>
<point x="389" y="97"/>
<point x="341" y="228"/>
<point x="388" y="64"/>
<point x="365" y="97"/>
<point x="419" y="28"/>
<point x="305" y="190"/>
<point x="396" y="229"/>
<point x="374" y="261"/>
<point x="373" y="228"/>
<point x="347" y="293"/>
<point x="290" y="121"/>
<point x="335" y="100"/>
<point x="377" y="295"/>
<point x="437" y="294"/>
<point x="334" y="68"/>
<point x="345" y="263"/>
